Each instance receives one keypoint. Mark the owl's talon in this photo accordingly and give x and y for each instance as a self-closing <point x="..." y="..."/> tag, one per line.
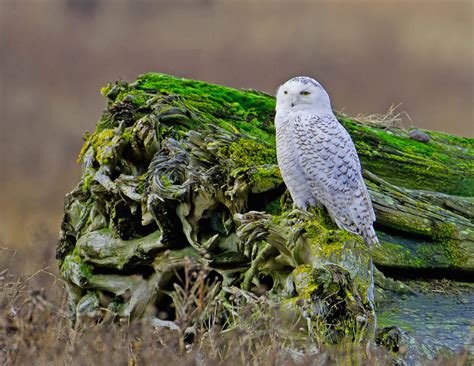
<point x="299" y="214"/>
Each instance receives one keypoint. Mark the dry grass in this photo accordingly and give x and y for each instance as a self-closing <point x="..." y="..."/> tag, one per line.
<point x="392" y="118"/>
<point x="35" y="329"/>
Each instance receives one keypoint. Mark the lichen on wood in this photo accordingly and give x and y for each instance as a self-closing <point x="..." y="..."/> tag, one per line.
<point x="182" y="174"/>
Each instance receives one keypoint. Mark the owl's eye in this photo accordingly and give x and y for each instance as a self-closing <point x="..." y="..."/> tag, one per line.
<point x="305" y="93"/>
<point x="285" y="92"/>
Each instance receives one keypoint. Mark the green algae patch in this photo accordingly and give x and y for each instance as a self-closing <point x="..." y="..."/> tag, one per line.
<point x="390" y="319"/>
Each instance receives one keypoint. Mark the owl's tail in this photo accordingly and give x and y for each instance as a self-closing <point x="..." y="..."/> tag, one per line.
<point x="369" y="236"/>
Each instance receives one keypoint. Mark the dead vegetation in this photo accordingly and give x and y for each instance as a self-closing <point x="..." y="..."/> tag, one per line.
<point x="35" y="329"/>
<point x="392" y="118"/>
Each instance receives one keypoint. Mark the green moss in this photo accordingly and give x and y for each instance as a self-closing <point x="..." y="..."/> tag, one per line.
<point x="166" y="181"/>
<point x="390" y="154"/>
<point x="335" y="241"/>
<point x="141" y="184"/>
<point x="274" y="207"/>
<point x="324" y="233"/>
<point x="446" y="234"/>
<point x="87" y="179"/>
<point x="122" y="92"/>
<point x="136" y="97"/>
<point x="390" y="253"/>
<point x="264" y="178"/>
<point x="324" y="241"/>
<point x="440" y="249"/>
<point x="112" y="90"/>
<point x="75" y="269"/>
<point x="408" y="253"/>
<point x="246" y="153"/>
<point x="247" y="111"/>
<point x="102" y="143"/>
<point x="390" y="319"/>
<point x="238" y="102"/>
<point x="127" y="135"/>
<point x="415" y="164"/>
<point x="304" y="280"/>
<point x="331" y="299"/>
<point x="84" y="149"/>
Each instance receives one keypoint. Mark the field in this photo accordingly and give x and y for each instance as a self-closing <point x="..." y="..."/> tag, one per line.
<point x="57" y="54"/>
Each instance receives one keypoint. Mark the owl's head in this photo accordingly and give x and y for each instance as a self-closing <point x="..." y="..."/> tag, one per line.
<point x="302" y="93"/>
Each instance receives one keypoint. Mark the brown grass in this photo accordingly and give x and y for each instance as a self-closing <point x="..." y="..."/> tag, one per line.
<point x="393" y="118"/>
<point x="35" y="329"/>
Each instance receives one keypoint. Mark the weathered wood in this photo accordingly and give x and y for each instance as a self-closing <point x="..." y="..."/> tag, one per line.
<point x="101" y="248"/>
<point x="443" y="164"/>
<point x="422" y="230"/>
<point x="182" y="174"/>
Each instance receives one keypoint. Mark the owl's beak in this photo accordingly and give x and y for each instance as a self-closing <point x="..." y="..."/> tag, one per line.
<point x="293" y="102"/>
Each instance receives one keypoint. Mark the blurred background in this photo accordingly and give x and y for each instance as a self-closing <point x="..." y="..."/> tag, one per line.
<point x="56" y="54"/>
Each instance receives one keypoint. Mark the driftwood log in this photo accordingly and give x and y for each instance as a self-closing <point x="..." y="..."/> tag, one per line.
<point x="181" y="175"/>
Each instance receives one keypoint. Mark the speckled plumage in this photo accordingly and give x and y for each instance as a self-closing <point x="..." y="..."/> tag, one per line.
<point x="318" y="160"/>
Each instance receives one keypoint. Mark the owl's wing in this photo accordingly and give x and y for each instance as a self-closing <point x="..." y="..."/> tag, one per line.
<point x="331" y="164"/>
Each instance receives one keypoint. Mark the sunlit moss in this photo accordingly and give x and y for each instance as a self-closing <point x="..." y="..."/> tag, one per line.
<point x="248" y="111"/>
<point x="247" y="153"/>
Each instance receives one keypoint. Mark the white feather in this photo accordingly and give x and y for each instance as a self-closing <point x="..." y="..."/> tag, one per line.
<point x="317" y="158"/>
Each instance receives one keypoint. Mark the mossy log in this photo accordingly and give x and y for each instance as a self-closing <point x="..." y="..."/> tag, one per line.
<point x="182" y="174"/>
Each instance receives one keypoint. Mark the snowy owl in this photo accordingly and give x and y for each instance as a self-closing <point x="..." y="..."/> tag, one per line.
<point x="318" y="160"/>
